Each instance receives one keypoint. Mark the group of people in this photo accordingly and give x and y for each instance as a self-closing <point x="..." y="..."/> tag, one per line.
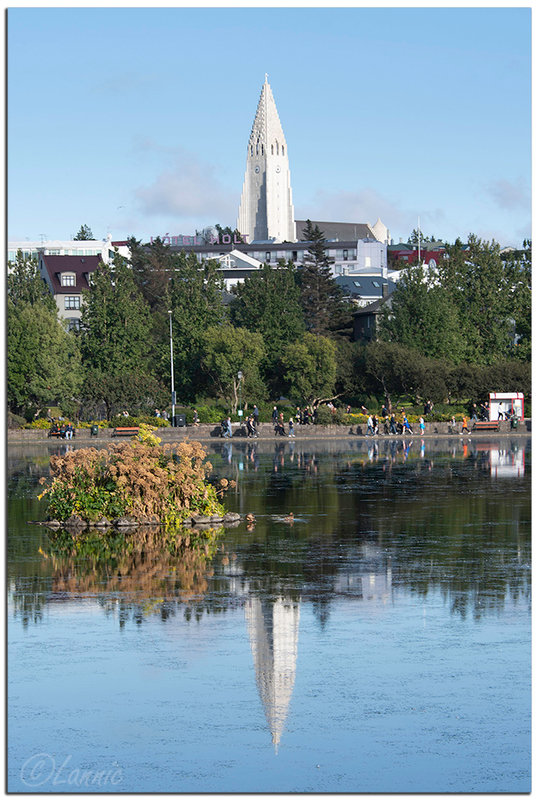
<point x="63" y="431"/>
<point x="161" y="414"/>
<point x="279" y="424"/>
<point x="391" y="425"/>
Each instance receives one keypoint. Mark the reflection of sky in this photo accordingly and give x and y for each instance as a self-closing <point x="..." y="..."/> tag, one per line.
<point x="392" y="693"/>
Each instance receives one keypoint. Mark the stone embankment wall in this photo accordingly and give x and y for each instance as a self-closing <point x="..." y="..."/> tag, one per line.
<point x="211" y="432"/>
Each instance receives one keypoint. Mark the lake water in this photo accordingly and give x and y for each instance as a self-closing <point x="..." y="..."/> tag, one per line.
<point x="379" y="642"/>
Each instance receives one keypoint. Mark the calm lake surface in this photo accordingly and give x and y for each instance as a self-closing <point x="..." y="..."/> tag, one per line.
<point x="378" y="643"/>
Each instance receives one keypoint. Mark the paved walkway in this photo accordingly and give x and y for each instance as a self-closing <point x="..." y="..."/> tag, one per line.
<point x="266" y="432"/>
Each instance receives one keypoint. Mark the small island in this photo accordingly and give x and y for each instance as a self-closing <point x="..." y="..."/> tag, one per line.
<point x="131" y="484"/>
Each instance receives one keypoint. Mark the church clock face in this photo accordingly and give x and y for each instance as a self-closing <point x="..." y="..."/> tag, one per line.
<point x="257" y="169"/>
<point x="277" y="169"/>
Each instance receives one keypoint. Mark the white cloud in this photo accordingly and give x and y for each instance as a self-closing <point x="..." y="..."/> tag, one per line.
<point x="366" y="206"/>
<point x="188" y="190"/>
<point x="510" y="195"/>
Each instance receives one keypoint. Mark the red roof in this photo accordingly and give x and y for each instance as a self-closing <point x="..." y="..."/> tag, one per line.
<point x="80" y="265"/>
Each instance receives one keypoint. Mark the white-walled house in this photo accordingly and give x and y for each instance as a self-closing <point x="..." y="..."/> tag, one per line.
<point x="104" y="248"/>
<point x="66" y="277"/>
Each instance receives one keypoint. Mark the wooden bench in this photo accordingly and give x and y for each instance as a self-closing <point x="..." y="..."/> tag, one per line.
<point x="125" y="431"/>
<point x="60" y="434"/>
<point x="486" y="426"/>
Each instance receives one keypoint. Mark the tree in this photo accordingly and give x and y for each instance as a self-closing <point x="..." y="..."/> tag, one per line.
<point x="84" y="234"/>
<point x="197" y="304"/>
<point x="324" y="308"/>
<point x="25" y="284"/>
<point x="386" y="365"/>
<point x="124" y="390"/>
<point x="43" y="360"/>
<point x="152" y="266"/>
<point x="310" y="368"/>
<point x="269" y="302"/>
<point x="418" y="236"/>
<point x="116" y="337"/>
<point x="423" y="317"/>
<point x="517" y="265"/>
<point x="228" y="351"/>
<point x="115" y="321"/>
<point x="479" y="284"/>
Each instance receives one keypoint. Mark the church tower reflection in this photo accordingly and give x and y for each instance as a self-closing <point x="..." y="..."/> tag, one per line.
<point x="273" y="625"/>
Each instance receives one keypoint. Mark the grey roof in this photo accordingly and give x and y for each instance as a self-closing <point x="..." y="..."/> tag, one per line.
<point x="347" y="231"/>
<point x="372" y="308"/>
<point x="364" y="285"/>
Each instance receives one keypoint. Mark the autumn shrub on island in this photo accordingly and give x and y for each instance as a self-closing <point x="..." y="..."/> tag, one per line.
<point x="140" y="479"/>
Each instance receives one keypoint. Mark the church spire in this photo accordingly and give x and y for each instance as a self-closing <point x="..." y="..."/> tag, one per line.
<point x="266" y="212"/>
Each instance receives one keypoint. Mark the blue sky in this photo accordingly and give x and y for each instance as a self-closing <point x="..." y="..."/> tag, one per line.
<point x="136" y="120"/>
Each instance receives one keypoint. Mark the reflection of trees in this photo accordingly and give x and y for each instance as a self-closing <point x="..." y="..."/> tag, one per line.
<point x="382" y="514"/>
<point x="436" y="524"/>
<point x="148" y="570"/>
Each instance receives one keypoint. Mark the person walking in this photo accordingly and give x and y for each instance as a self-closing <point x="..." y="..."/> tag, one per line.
<point x="370" y="428"/>
<point x="228" y="428"/>
<point x="255" y="415"/>
<point x="196" y="420"/>
<point x="464" y="426"/>
<point x="406" y="427"/>
<point x="422" y="425"/>
<point x="393" y="424"/>
<point x="291" y="427"/>
<point x="274" y="415"/>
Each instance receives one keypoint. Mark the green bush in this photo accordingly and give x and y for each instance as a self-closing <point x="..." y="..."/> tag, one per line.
<point x="139" y="479"/>
<point x="14" y="421"/>
<point x="325" y="416"/>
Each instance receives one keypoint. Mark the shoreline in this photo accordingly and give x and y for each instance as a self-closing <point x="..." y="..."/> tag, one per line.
<point x="210" y="433"/>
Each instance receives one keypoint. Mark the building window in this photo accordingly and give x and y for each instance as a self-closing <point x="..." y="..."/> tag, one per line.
<point x="375" y="283"/>
<point x="271" y="149"/>
<point x="73" y="324"/>
<point x="268" y="257"/>
<point x="71" y="302"/>
<point x="282" y="146"/>
<point x="67" y="280"/>
<point x="345" y="255"/>
<point x="294" y="255"/>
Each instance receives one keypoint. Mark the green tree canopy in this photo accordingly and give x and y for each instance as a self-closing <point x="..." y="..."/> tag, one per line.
<point x="196" y="302"/>
<point x="43" y="359"/>
<point x="481" y="287"/>
<point x="325" y="309"/>
<point x="84" y="234"/>
<point x="423" y="316"/>
<point x="269" y="302"/>
<point x="518" y="268"/>
<point x="228" y="351"/>
<point x="152" y="266"/>
<point x="310" y="368"/>
<point x="25" y="284"/>
<point x="115" y="322"/>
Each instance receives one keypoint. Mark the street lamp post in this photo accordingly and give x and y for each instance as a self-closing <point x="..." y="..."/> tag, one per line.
<point x="240" y="378"/>
<point x="173" y="393"/>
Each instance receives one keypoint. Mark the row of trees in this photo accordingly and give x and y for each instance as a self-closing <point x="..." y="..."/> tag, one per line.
<point x="448" y="334"/>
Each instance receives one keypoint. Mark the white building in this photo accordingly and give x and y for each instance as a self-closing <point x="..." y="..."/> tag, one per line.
<point x="266" y="212"/>
<point x="56" y="247"/>
<point x="67" y="277"/>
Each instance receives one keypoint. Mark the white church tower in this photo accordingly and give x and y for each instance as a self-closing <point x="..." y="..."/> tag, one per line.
<point x="266" y="211"/>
